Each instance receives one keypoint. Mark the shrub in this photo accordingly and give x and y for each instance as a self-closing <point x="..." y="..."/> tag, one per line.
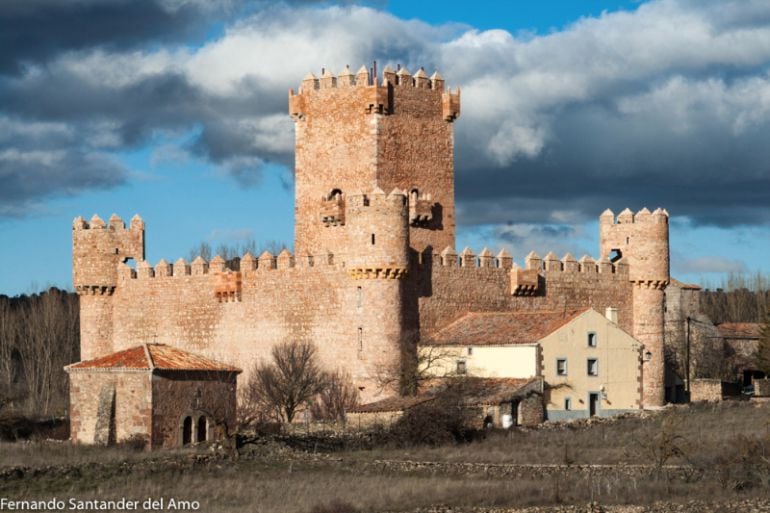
<point x="443" y="420"/>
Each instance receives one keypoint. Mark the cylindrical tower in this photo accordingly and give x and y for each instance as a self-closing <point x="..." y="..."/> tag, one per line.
<point x="377" y="263"/>
<point x="641" y="240"/>
<point x="97" y="249"/>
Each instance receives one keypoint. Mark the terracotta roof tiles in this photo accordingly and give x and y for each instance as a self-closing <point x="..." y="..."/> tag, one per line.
<point x="501" y="328"/>
<point x="154" y="356"/>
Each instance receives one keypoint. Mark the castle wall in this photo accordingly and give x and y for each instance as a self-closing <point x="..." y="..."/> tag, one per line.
<point x="447" y="292"/>
<point x="321" y="304"/>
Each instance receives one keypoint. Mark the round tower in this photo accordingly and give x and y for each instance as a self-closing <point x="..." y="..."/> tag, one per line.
<point x="641" y="240"/>
<point x="377" y="262"/>
<point x="97" y="249"/>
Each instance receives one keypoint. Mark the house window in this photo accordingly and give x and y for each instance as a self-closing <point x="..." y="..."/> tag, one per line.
<point x="461" y="369"/>
<point x="470" y="351"/>
<point x="593" y="367"/>
<point x="567" y="403"/>
<point x="561" y="367"/>
<point x="591" y="339"/>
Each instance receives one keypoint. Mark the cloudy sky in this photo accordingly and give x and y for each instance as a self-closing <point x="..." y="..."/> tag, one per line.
<point x="176" y="109"/>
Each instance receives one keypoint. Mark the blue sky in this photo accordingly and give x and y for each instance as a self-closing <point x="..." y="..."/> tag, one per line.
<point x="569" y="107"/>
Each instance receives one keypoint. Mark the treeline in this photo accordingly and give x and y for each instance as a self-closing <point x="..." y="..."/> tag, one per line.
<point x="39" y="335"/>
<point x="739" y="297"/>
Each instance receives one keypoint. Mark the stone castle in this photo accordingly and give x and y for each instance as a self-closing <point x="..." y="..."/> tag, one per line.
<point x="374" y="268"/>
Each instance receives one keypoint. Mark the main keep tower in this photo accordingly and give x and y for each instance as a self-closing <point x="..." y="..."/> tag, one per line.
<point x="361" y="133"/>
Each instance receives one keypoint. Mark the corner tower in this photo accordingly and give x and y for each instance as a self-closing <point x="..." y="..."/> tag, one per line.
<point x="642" y="241"/>
<point x="97" y="249"/>
<point x="359" y="133"/>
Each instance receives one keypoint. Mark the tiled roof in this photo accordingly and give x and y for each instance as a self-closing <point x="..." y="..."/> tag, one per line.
<point x="493" y="328"/>
<point x="154" y="356"/>
<point x="748" y="330"/>
<point x="475" y="391"/>
<point x="686" y="286"/>
<point x="396" y="403"/>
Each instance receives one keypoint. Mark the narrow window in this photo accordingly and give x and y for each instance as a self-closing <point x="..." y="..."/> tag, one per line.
<point x="567" y="403"/>
<point x="372" y="239"/>
<point x="593" y="367"/>
<point x="187" y="431"/>
<point x="359" y="297"/>
<point x="591" y="339"/>
<point x="360" y="340"/>
<point x="461" y="369"/>
<point x="561" y="367"/>
<point x="202" y="429"/>
<point x="470" y="351"/>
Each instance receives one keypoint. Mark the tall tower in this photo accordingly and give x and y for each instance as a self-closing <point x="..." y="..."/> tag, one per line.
<point x="359" y="133"/>
<point x="97" y="249"/>
<point x="642" y="241"/>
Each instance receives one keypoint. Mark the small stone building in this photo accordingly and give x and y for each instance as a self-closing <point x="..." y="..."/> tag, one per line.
<point x="490" y="402"/>
<point x="153" y="392"/>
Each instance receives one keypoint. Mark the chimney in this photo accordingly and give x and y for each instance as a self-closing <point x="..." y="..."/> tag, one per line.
<point x="611" y="314"/>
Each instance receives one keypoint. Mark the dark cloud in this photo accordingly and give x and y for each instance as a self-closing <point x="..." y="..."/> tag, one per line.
<point x="32" y="31"/>
<point x="666" y="106"/>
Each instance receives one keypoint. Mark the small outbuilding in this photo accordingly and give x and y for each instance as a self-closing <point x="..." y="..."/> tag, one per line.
<point x="152" y="393"/>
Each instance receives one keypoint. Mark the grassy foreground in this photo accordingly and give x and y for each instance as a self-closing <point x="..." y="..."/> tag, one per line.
<point x="708" y="453"/>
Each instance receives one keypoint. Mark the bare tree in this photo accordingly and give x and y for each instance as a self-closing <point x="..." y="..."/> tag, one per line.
<point x="336" y="397"/>
<point x="288" y="382"/>
<point x="415" y="367"/>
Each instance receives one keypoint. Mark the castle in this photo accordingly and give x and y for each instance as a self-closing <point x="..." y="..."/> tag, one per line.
<point x="374" y="268"/>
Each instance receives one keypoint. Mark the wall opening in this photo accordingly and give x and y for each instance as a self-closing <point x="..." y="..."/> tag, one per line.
<point x="461" y="367"/>
<point x="187" y="430"/>
<point x="202" y="428"/>
<point x="561" y="367"/>
<point x="372" y="239"/>
<point x="615" y="255"/>
<point x="593" y="367"/>
<point x="359" y="297"/>
<point x="591" y="339"/>
<point x="593" y="404"/>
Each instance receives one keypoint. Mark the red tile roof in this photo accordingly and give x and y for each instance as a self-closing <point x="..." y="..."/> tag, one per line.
<point x="154" y="356"/>
<point x="686" y="286"/>
<point x="503" y="328"/>
<point x="475" y="391"/>
<point x="747" y="330"/>
<point x="389" y="404"/>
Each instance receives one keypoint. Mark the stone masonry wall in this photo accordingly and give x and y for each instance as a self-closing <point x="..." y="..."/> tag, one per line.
<point x="355" y="133"/>
<point x="179" y="394"/>
<point x="355" y="324"/>
<point x="447" y="292"/>
<point x="132" y="407"/>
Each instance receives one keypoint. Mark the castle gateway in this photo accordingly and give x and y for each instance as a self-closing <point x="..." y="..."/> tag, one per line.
<point x="374" y="268"/>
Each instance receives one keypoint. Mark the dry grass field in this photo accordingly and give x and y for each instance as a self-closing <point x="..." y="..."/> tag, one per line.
<point x="709" y="453"/>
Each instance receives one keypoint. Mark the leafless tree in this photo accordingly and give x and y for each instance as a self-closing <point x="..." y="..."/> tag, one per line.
<point x="288" y="382"/>
<point x="336" y="397"/>
<point x="414" y="368"/>
<point x="39" y="335"/>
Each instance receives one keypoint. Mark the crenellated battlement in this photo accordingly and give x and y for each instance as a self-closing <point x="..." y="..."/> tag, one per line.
<point x="659" y="215"/>
<point x="98" y="247"/>
<point x="376" y="94"/>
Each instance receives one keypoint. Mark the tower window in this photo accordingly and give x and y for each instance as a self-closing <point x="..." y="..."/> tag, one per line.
<point x="360" y="340"/>
<point x="359" y="297"/>
<point x="372" y="239"/>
